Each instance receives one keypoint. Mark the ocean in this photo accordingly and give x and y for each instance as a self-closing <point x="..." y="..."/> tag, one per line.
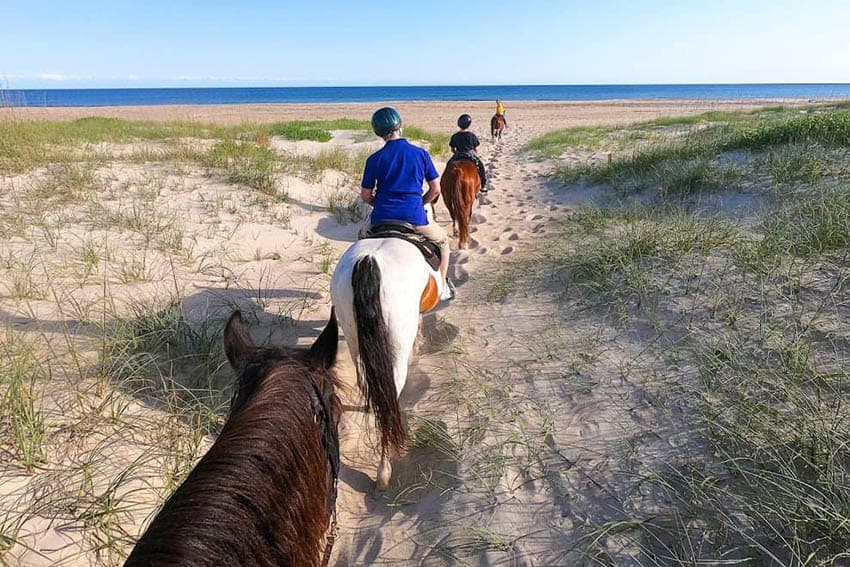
<point x="247" y="95"/>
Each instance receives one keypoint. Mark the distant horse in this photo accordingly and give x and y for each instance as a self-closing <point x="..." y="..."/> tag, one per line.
<point x="497" y="124"/>
<point x="265" y="492"/>
<point x="459" y="186"/>
<point x="379" y="288"/>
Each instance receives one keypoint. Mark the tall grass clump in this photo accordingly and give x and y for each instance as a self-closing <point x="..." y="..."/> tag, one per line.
<point x="157" y="346"/>
<point x="337" y="159"/>
<point x="438" y="144"/>
<point x="23" y="425"/>
<point x="316" y="130"/>
<point x="245" y="163"/>
<point x="556" y="142"/>
<point x="630" y="256"/>
<point x="346" y="206"/>
<point x="812" y="223"/>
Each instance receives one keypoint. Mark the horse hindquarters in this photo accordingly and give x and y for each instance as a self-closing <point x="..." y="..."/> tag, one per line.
<point x="461" y="184"/>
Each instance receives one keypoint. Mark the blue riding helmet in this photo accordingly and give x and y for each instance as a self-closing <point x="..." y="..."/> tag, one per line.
<point x="385" y="120"/>
<point x="464" y="121"/>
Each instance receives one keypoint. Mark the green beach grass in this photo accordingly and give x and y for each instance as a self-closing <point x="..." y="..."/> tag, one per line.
<point x="745" y="323"/>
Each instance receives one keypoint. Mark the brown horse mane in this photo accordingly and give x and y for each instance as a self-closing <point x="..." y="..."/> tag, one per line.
<point x="263" y="494"/>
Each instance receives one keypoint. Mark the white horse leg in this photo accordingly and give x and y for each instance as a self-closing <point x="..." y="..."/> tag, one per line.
<point x="385" y="470"/>
<point x="404" y="330"/>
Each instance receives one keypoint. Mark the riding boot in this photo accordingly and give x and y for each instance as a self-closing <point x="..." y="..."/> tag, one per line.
<point x="482" y="173"/>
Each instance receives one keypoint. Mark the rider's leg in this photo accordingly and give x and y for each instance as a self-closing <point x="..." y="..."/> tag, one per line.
<point x="435" y="232"/>
<point x="482" y="172"/>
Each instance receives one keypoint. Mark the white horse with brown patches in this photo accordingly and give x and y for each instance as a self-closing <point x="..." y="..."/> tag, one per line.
<point x="379" y="288"/>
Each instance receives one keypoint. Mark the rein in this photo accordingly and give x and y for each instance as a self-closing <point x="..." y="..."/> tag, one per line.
<point x="330" y="443"/>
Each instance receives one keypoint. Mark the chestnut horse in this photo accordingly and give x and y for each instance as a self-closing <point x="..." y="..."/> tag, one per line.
<point x="497" y="124"/>
<point x="459" y="186"/>
<point x="379" y="288"/>
<point x="265" y="492"/>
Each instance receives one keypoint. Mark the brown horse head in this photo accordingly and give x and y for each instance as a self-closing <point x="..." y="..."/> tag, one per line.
<point x="459" y="186"/>
<point x="497" y="124"/>
<point x="265" y="492"/>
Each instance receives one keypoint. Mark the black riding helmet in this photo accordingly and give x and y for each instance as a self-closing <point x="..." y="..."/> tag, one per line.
<point x="385" y="120"/>
<point x="465" y="121"/>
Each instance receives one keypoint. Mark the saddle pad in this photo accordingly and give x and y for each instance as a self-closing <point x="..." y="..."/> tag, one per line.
<point x="430" y="298"/>
<point x="430" y="249"/>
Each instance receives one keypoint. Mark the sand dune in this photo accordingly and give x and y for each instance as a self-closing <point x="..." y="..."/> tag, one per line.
<point x="437" y="509"/>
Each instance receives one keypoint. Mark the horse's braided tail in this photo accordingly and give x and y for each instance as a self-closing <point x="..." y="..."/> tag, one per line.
<point x="375" y="372"/>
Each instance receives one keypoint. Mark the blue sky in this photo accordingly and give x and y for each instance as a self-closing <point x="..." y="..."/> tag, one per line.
<point x="253" y="42"/>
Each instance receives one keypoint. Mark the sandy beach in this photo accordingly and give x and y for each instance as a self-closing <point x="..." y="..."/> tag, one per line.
<point x="535" y="116"/>
<point x="274" y="258"/>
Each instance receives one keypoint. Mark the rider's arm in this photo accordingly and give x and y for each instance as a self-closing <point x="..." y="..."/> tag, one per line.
<point x="433" y="191"/>
<point x="369" y="182"/>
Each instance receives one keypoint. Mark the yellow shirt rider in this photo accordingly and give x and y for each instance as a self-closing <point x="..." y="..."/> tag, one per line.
<point x="500" y="110"/>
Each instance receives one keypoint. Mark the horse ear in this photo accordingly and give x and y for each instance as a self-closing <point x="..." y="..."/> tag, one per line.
<point x="323" y="352"/>
<point x="238" y="343"/>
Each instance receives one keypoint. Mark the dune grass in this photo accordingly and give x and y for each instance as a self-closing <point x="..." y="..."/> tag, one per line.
<point x="787" y="145"/>
<point x="619" y="138"/>
<point x="760" y="357"/>
<point x="21" y="405"/>
<point x="32" y="143"/>
<point x="438" y="144"/>
<point x="744" y="326"/>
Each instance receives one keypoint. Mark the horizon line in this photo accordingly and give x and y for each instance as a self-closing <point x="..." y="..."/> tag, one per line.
<point x="361" y="86"/>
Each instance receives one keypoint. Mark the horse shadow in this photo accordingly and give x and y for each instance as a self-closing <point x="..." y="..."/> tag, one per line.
<point x="331" y="229"/>
<point x="176" y="346"/>
<point x="425" y="475"/>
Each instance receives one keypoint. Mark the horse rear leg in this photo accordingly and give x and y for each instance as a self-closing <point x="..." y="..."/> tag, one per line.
<point x="385" y="470"/>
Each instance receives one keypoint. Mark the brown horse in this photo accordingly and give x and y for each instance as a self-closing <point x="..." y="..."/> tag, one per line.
<point x="460" y="185"/>
<point x="497" y="124"/>
<point x="265" y="492"/>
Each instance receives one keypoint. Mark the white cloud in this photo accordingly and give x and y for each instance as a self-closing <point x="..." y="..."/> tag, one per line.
<point x="59" y="77"/>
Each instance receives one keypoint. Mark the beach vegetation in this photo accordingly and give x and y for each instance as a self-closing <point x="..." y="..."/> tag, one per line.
<point x="730" y="325"/>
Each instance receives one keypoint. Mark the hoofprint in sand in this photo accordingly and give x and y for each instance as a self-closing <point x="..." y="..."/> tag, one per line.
<point x="156" y="232"/>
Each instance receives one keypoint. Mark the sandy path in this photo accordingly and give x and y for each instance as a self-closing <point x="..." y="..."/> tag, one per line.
<point x="376" y="528"/>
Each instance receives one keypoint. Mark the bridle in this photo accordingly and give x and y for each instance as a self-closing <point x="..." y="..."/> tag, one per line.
<point x="330" y="443"/>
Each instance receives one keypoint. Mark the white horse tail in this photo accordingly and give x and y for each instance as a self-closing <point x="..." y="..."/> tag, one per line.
<point x="375" y="374"/>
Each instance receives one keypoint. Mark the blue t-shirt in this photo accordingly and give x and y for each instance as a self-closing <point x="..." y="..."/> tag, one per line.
<point x="398" y="170"/>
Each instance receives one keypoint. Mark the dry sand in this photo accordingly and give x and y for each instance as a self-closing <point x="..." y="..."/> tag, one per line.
<point x="437" y="511"/>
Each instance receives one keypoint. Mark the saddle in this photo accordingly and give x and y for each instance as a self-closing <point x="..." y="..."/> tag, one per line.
<point x="430" y="250"/>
